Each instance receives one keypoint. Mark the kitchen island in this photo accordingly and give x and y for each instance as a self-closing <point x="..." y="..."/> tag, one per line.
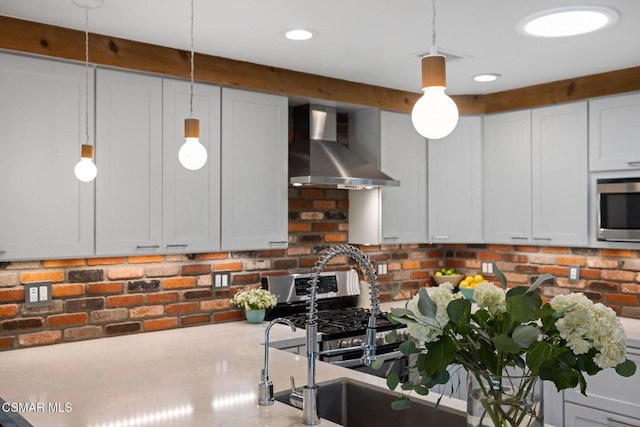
<point x="204" y="375"/>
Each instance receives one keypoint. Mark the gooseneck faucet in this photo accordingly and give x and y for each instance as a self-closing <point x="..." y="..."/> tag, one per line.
<point x="265" y="387"/>
<point x="308" y="397"/>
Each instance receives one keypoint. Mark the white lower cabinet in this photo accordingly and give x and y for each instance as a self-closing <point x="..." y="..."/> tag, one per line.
<point x="611" y="400"/>
<point x="254" y="170"/>
<point x="46" y="212"/>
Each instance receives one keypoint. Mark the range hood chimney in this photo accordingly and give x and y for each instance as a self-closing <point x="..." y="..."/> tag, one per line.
<point x="316" y="158"/>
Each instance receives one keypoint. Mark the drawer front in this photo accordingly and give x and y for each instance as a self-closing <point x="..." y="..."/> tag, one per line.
<point x="580" y="416"/>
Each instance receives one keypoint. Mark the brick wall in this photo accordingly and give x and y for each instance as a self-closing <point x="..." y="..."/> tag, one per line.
<point x="102" y="297"/>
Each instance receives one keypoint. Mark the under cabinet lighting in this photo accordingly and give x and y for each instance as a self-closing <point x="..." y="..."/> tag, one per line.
<point x="299" y="34"/>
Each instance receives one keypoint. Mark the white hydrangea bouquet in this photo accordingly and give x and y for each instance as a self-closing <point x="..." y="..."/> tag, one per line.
<point x="254" y="299"/>
<point x="510" y="329"/>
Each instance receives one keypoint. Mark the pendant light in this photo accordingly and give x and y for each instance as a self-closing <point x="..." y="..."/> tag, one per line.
<point x="85" y="170"/>
<point x="192" y="154"/>
<point x="434" y="115"/>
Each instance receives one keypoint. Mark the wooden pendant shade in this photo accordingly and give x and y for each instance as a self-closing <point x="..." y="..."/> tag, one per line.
<point x="191" y="128"/>
<point x="434" y="71"/>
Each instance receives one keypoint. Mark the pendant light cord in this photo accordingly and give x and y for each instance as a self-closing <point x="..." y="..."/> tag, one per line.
<point x="86" y="73"/>
<point x="434" y="48"/>
<point x="192" y="54"/>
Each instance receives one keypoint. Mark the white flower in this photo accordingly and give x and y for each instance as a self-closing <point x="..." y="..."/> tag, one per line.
<point x="254" y="299"/>
<point x="586" y="325"/>
<point x="491" y="297"/>
<point x="430" y="329"/>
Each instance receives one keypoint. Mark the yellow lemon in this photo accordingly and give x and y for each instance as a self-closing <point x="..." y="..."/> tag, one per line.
<point x="469" y="279"/>
<point x="478" y="278"/>
<point x="464" y="284"/>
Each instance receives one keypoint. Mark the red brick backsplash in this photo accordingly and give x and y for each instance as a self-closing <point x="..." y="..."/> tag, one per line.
<point x="101" y="297"/>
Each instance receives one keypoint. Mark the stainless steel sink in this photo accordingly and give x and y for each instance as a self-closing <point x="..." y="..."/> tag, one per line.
<point x="352" y="403"/>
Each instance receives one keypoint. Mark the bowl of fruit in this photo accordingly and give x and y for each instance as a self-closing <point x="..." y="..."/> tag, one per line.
<point x="468" y="285"/>
<point x="450" y="275"/>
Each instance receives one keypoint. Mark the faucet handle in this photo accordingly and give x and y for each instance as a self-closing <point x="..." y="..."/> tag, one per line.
<point x="295" y="397"/>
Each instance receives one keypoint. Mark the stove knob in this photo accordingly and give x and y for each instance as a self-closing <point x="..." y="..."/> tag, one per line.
<point x="344" y="344"/>
<point x="356" y="342"/>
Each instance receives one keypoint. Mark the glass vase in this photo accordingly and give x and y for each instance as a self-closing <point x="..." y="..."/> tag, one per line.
<point x="255" y="316"/>
<point x="504" y="401"/>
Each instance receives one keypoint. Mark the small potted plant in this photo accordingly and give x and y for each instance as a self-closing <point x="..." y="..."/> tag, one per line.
<point x="254" y="301"/>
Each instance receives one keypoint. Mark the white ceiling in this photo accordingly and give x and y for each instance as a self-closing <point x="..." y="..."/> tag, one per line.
<point x="369" y="41"/>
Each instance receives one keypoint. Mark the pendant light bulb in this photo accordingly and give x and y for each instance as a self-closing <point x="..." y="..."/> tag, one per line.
<point x="85" y="170"/>
<point x="434" y="115"/>
<point x="192" y="154"/>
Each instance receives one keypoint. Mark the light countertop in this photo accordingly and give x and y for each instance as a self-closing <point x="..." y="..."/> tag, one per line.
<point x="203" y="375"/>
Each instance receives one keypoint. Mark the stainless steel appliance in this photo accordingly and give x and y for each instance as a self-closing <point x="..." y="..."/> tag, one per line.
<point x="341" y="325"/>
<point x="619" y="209"/>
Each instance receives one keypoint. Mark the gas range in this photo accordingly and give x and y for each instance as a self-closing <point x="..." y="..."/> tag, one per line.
<point x="341" y="324"/>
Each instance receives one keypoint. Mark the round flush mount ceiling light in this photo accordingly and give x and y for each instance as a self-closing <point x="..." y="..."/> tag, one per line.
<point x="568" y="21"/>
<point x="486" y="77"/>
<point x="299" y="34"/>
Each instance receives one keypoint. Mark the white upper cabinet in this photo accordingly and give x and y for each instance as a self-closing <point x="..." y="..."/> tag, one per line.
<point x="254" y="170"/>
<point x="191" y="199"/>
<point x="507" y="177"/>
<point x="560" y="179"/>
<point x="535" y="176"/>
<point x="389" y="215"/>
<point x="46" y="212"/>
<point x="129" y="160"/>
<point x="614" y="133"/>
<point x="455" y="184"/>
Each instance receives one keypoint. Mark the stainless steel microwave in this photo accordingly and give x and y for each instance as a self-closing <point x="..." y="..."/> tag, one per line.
<point x="619" y="209"/>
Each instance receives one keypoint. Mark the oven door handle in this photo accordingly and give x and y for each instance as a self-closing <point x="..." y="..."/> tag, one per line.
<point x="357" y="362"/>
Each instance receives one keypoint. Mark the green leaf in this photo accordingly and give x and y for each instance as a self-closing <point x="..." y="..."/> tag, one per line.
<point x="400" y="404"/>
<point x="524" y="335"/>
<point x="393" y="380"/>
<point x="505" y="344"/>
<point x="542" y="278"/>
<point x="626" y="368"/>
<point x="408" y="347"/>
<point x="391" y="336"/>
<point x="378" y="363"/>
<point x="408" y="386"/>
<point x="523" y="305"/>
<point x="459" y="311"/>
<point x="401" y="312"/>
<point x="440" y="354"/>
<point x="442" y="377"/>
<point x="501" y="278"/>
<point x="539" y="352"/>
<point x="423" y="391"/>
<point x="426" y="306"/>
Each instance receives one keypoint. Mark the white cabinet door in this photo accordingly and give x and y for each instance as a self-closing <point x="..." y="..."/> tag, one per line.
<point x="404" y="158"/>
<point x="191" y="199"/>
<point x="46" y="212"/>
<point x="581" y="416"/>
<point x="389" y="215"/>
<point x="254" y="170"/>
<point x="455" y="184"/>
<point x="129" y="161"/>
<point x="560" y="178"/>
<point x="507" y="177"/>
<point x="614" y="132"/>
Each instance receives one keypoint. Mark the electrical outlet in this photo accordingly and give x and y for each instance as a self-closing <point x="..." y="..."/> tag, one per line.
<point x="37" y="294"/>
<point x="487" y="268"/>
<point x="221" y="279"/>
<point x="574" y="273"/>
<point x="382" y="268"/>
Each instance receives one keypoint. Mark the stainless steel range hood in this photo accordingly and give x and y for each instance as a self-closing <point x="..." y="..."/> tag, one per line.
<point x="316" y="158"/>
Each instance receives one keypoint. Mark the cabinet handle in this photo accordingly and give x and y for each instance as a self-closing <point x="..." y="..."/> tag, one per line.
<point x="390" y="238"/>
<point x="440" y="237"/>
<point x="636" y="163"/>
<point x="613" y="420"/>
<point x="184" y="245"/>
<point x="277" y="242"/>
<point x="148" y="247"/>
<point x="519" y="238"/>
<point x="2" y="252"/>
<point x="542" y="238"/>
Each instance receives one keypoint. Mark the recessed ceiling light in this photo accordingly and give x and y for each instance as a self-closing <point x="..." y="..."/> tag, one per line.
<point x="568" y="21"/>
<point x="299" y="34"/>
<point x="487" y="77"/>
